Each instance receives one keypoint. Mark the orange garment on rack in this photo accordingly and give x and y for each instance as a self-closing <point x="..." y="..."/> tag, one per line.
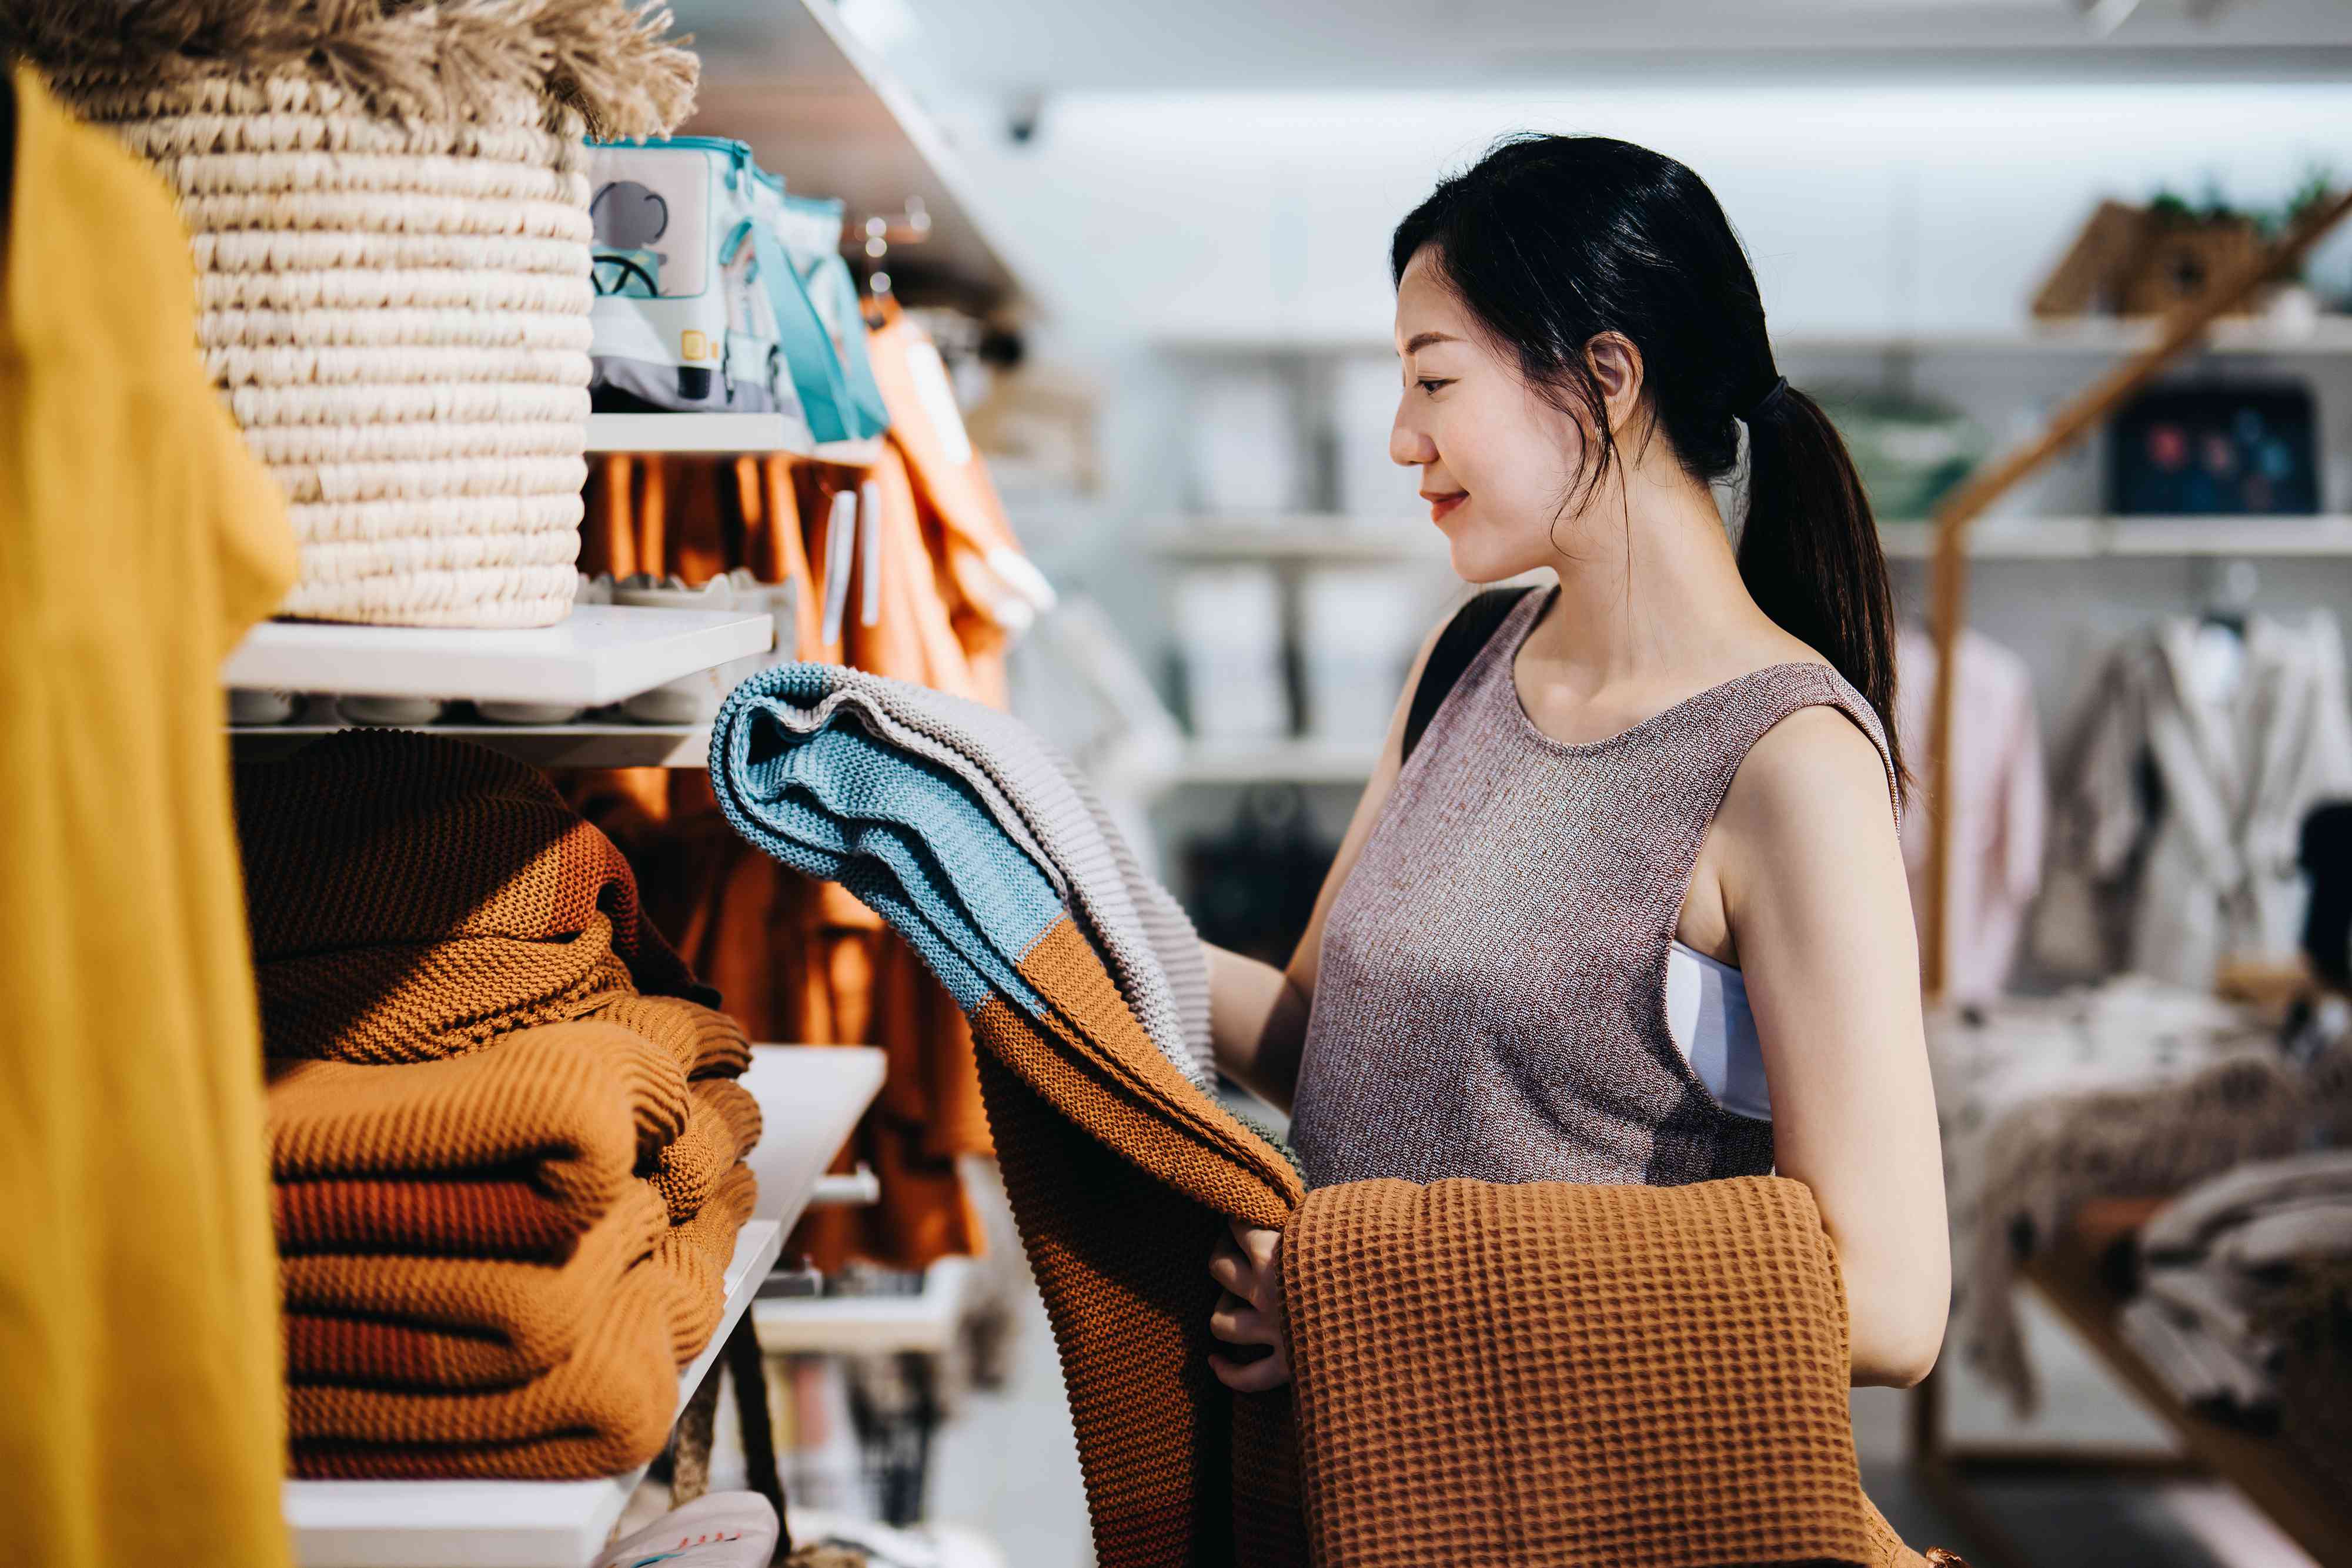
<point x="140" y="1408"/>
<point x="798" y="961"/>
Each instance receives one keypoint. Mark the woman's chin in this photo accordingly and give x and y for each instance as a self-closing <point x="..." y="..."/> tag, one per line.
<point x="1483" y="560"/>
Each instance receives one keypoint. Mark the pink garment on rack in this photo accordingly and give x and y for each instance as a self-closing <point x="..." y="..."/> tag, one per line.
<point x="1999" y="802"/>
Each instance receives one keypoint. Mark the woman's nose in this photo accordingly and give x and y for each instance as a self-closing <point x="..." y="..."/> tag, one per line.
<point x="1409" y="446"/>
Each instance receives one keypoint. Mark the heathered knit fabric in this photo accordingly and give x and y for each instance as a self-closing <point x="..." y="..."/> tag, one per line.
<point x="1491" y="1002"/>
<point x="1036" y="799"/>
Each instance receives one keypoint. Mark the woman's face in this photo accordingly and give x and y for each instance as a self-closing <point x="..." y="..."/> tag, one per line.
<point x="1496" y="461"/>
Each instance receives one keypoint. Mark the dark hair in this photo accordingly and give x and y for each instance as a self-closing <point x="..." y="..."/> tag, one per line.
<point x="1553" y="240"/>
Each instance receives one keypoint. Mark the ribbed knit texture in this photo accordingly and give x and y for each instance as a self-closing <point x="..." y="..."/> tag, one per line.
<point x="1491" y="1000"/>
<point x="1043" y="810"/>
<point x="568" y="1109"/>
<point x="720" y="1128"/>
<point x="508" y="1186"/>
<point x="1121" y="1173"/>
<point x="412" y="897"/>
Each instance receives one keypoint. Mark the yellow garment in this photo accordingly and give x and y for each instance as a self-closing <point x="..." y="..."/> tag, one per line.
<point x="141" y="1416"/>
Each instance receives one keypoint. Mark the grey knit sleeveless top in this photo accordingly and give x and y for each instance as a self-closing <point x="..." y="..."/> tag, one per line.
<point x="1491" y="1000"/>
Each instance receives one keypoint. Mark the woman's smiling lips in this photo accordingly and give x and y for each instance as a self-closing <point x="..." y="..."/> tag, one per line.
<point x="1443" y="502"/>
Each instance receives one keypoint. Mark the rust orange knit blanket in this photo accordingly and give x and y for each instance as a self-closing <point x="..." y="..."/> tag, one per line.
<point x="1643" y="1377"/>
<point x="412" y="896"/>
<point x="1598" y="1392"/>
<point x="468" y="1321"/>
<point x="512" y="1151"/>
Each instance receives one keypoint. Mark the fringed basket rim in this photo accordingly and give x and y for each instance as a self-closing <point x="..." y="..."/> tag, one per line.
<point x="612" y="61"/>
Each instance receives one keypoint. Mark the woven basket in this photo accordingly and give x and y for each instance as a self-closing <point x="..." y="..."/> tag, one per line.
<point x="397" y="308"/>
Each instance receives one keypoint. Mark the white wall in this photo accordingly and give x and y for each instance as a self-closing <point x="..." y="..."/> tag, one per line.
<point x="1919" y="205"/>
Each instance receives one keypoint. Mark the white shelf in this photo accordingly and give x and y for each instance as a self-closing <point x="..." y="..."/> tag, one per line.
<point x="1273" y="762"/>
<point x="1306" y="537"/>
<point x="497" y="1524"/>
<point x="598" y="654"/>
<point x="2095" y="538"/>
<point x="810" y="1097"/>
<point x="818" y="108"/>
<point x="868" y="1325"/>
<point x="747" y="434"/>
<point x="539" y="746"/>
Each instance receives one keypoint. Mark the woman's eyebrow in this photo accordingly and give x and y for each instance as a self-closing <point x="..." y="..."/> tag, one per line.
<point x="1422" y="340"/>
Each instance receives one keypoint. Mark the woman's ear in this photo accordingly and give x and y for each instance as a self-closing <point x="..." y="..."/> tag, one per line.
<point x="1617" y="365"/>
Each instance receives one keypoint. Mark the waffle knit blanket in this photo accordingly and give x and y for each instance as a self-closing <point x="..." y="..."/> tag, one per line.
<point x="412" y="897"/>
<point x="781" y="754"/>
<point x="1122" y="1172"/>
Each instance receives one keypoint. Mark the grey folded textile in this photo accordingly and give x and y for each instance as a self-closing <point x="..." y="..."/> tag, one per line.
<point x="1045" y="806"/>
<point x="2186" y="1226"/>
<point x="2202" y="1372"/>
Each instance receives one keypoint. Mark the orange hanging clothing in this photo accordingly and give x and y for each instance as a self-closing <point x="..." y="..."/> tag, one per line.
<point x="798" y="961"/>
<point x="141" y="1409"/>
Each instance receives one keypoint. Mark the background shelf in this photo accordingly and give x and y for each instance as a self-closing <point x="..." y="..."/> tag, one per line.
<point x="742" y="434"/>
<point x="599" y="653"/>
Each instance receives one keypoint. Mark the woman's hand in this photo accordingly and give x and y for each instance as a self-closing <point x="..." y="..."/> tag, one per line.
<point x="1247" y="1262"/>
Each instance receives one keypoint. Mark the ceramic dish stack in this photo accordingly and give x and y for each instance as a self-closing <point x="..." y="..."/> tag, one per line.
<point x="389" y="207"/>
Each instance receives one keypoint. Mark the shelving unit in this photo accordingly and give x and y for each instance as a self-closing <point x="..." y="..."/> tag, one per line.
<point x="923" y="1322"/>
<point x="819" y="108"/>
<point x="721" y="434"/>
<point x="810" y="1097"/>
<point x="539" y="746"/>
<point x="1291" y="761"/>
<point x="598" y="654"/>
<point x="497" y="1524"/>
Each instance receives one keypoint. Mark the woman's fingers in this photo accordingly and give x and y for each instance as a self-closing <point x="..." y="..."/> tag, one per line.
<point x="1251" y="1377"/>
<point x="1258" y="1245"/>
<point x="1238" y="1322"/>
<point x="1228" y="1270"/>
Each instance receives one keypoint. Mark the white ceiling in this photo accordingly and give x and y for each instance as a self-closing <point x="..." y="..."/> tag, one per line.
<point x="1015" y="46"/>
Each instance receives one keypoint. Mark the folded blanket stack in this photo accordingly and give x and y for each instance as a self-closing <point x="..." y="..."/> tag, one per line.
<point x="2227" y="1269"/>
<point x="1627" y="1401"/>
<point x="506" y="1139"/>
<point x="2131" y="1091"/>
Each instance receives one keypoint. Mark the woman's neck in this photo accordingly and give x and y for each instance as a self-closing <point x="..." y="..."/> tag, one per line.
<point x="1650" y="591"/>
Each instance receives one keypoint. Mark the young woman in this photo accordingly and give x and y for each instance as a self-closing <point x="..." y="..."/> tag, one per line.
<point x="1635" y="912"/>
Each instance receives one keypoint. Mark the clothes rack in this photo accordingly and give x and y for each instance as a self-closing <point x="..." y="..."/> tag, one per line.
<point x="1945" y="1469"/>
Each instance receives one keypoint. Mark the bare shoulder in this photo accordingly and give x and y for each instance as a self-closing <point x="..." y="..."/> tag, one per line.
<point x="1813" y="775"/>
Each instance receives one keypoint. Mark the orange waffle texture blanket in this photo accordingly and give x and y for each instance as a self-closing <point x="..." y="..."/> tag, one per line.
<point x="507" y="1184"/>
<point x="1586" y="1416"/>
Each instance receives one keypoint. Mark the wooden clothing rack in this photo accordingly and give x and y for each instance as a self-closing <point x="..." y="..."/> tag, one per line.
<point x="2319" y="1520"/>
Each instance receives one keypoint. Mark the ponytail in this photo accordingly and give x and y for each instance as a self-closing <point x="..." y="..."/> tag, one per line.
<point x="1809" y="550"/>
<point x="1552" y="241"/>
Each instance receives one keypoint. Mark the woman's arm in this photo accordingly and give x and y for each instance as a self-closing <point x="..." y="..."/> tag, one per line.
<point x="1820" y="912"/>
<point x="1257" y="1013"/>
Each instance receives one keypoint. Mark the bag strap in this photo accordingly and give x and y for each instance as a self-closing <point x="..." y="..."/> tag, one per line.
<point x="1470" y="629"/>
<point x="808" y="349"/>
<point x="831" y="275"/>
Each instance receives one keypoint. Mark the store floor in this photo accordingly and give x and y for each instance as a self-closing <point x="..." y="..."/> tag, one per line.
<point x="1007" y="1464"/>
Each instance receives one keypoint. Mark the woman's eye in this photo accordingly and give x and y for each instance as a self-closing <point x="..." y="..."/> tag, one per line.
<point x="1429" y="387"/>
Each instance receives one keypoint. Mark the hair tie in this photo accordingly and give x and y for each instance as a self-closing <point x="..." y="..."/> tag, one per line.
<point x="1771" y="396"/>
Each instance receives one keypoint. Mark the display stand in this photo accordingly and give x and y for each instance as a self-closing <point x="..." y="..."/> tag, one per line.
<point x="1946" y="1470"/>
